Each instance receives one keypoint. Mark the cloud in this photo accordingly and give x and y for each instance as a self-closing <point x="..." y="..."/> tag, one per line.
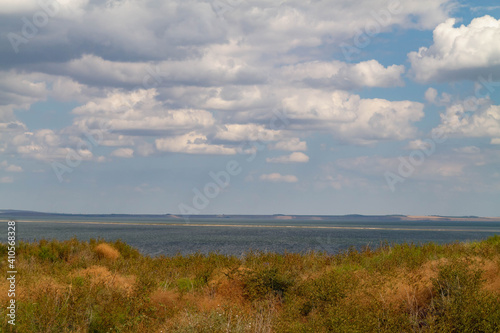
<point x="462" y="53"/>
<point x="14" y="168"/>
<point x="138" y="113"/>
<point x="18" y="91"/>
<point x="123" y="152"/>
<point x="207" y="70"/>
<point x="293" y="144"/>
<point x="351" y="118"/>
<point x="192" y="143"/>
<point x="247" y="132"/>
<point x="185" y="77"/>
<point x="10" y="167"/>
<point x="342" y="75"/>
<point x="278" y="178"/>
<point x="430" y="95"/>
<point x="458" y="121"/>
<point x="47" y="145"/>
<point x="468" y="150"/>
<point x="417" y="144"/>
<point x="295" y="157"/>
<point x="6" y="180"/>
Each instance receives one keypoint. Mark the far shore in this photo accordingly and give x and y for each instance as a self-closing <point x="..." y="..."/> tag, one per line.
<point x="198" y="224"/>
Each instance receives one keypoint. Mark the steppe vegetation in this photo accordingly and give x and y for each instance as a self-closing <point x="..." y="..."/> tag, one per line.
<point x="98" y="286"/>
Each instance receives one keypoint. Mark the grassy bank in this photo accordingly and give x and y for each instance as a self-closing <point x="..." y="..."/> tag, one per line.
<point x="75" y="286"/>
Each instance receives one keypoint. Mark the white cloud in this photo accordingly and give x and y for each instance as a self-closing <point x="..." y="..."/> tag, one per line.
<point x="293" y="144"/>
<point x="278" y="178"/>
<point x="6" y="180"/>
<point x="123" y="152"/>
<point x="10" y="167"/>
<point x="19" y="6"/>
<point x="350" y="118"/>
<point x="14" y="168"/>
<point x="18" y="92"/>
<point x="417" y="144"/>
<point x="46" y="145"/>
<point x="138" y="113"/>
<point x="485" y="122"/>
<point x="191" y="143"/>
<point x="180" y="29"/>
<point x="465" y="52"/>
<point x="247" y="132"/>
<point x="206" y="70"/>
<point x="430" y="95"/>
<point x="296" y="157"/>
<point x="344" y="75"/>
<point x="468" y="150"/>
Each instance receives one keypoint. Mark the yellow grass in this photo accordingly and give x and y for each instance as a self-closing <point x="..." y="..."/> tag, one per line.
<point x="104" y="250"/>
<point x="75" y="286"/>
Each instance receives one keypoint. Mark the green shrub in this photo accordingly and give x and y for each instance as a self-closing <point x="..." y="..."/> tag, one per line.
<point x="459" y="304"/>
<point x="266" y="282"/>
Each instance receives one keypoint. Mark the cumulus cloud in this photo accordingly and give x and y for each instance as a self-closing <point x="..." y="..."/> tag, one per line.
<point x="351" y="118"/>
<point x="247" y="132"/>
<point x="418" y="144"/>
<point x="207" y="70"/>
<point x="138" y="113"/>
<point x="178" y="29"/>
<point x="192" y="143"/>
<point x="296" y="157"/>
<point x="19" y="91"/>
<point x="430" y="95"/>
<point x="484" y="122"/>
<point x="293" y="144"/>
<point x="187" y="77"/>
<point x="459" y="53"/>
<point x="123" y="152"/>
<point x="278" y="178"/>
<point x="343" y="75"/>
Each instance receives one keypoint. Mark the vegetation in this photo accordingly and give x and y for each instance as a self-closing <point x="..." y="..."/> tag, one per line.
<point x="75" y="286"/>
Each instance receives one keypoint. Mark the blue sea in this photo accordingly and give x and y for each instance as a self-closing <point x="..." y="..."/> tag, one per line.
<point x="235" y="237"/>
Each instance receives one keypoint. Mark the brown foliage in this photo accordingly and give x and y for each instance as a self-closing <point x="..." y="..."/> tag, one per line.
<point x="104" y="250"/>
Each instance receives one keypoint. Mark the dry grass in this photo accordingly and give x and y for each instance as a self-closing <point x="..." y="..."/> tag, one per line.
<point x="104" y="250"/>
<point x="100" y="275"/>
<point x="491" y="270"/>
<point x="77" y="286"/>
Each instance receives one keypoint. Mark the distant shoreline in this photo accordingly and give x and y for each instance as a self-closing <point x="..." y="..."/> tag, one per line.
<point x="166" y="224"/>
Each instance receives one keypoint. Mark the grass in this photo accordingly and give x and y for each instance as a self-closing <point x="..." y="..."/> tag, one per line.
<point x="98" y="286"/>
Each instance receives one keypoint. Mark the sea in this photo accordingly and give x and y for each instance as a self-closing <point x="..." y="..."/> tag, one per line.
<point x="239" y="236"/>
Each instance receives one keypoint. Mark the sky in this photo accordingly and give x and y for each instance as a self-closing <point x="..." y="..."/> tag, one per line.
<point x="250" y="107"/>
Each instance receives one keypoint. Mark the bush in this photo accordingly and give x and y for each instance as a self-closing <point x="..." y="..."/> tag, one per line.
<point x="266" y="282"/>
<point x="459" y="304"/>
<point x="104" y="250"/>
<point x="94" y="286"/>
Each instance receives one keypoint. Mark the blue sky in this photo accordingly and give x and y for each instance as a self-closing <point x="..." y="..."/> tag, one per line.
<point x="251" y="107"/>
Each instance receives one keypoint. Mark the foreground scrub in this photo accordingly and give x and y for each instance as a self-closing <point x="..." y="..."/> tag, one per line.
<point x="75" y="286"/>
